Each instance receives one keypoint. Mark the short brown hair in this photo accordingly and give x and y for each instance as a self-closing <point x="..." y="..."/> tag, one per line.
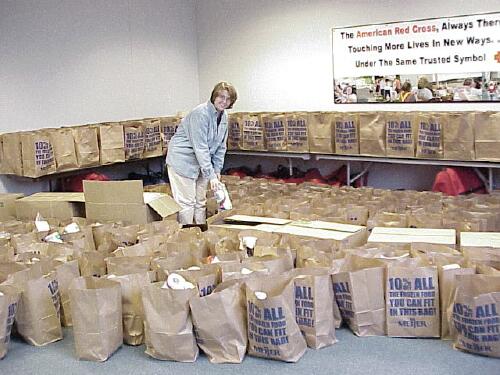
<point x="233" y="95"/>
<point x="406" y="87"/>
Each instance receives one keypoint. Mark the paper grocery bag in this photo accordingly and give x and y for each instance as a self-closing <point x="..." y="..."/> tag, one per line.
<point x="372" y="133"/>
<point x="273" y="332"/>
<point x="487" y="136"/>
<point x="92" y="263"/>
<point x="9" y="297"/>
<point x="111" y="143"/>
<point x="152" y="138"/>
<point x="64" y="149"/>
<point x="431" y="126"/>
<point x="12" y="162"/>
<point x="86" y="145"/>
<point x="235" y="131"/>
<point x="220" y="321"/>
<point x="133" y="134"/>
<point x="167" y="323"/>
<point x="447" y="286"/>
<point x="360" y="298"/>
<point x="412" y="300"/>
<point x="38" y="315"/>
<point x="37" y="153"/>
<point x="206" y="278"/>
<point x="126" y="265"/>
<point x="474" y="314"/>
<point x="346" y="133"/>
<point x="297" y="124"/>
<point x="401" y="134"/>
<point x="65" y="274"/>
<point x="458" y="136"/>
<point x="96" y="308"/>
<point x="252" y="132"/>
<point x="274" y="131"/>
<point x="168" y="126"/>
<point x="132" y="310"/>
<point x="314" y="301"/>
<point x="321" y="136"/>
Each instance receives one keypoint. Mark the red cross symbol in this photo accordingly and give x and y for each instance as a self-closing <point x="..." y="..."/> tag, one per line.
<point x="497" y="57"/>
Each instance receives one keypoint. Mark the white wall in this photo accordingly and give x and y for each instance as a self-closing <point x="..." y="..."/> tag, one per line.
<point x="278" y="54"/>
<point x="80" y="61"/>
<point x="83" y="61"/>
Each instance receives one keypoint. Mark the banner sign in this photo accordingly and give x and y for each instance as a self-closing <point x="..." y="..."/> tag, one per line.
<point x="447" y="53"/>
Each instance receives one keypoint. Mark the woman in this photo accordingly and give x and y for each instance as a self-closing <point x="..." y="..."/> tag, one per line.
<point x="406" y="96"/>
<point x="196" y="153"/>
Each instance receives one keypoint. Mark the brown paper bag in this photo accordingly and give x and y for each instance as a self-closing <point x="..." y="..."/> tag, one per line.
<point x="401" y="132"/>
<point x="111" y="143"/>
<point x="252" y="132"/>
<point x="235" y="131"/>
<point x="133" y="134"/>
<point x="346" y="133"/>
<point x="37" y="153"/>
<point x="458" y="136"/>
<point x="168" y="126"/>
<point x="274" y="131"/>
<point x="64" y="149"/>
<point x="38" y="315"/>
<point x="152" y="138"/>
<point x="92" y="263"/>
<point x="321" y="136"/>
<point x="86" y="145"/>
<point x="9" y="297"/>
<point x="360" y="298"/>
<point x="132" y="310"/>
<point x="447" y="285"/>
<point x="314" y="300"/>
<point x="167" y="323"/>
<point x="125" y="265"/>
<point x="272" y="329"/>
<point x="12" y="162"/>
<point x="65" y="274"/>
<point x="474" y="314"/>
<point x="412" y="300"/>
<point x="372" y="133"/>
<point x="96" y="309"/>
<point x="205" y="279"/>
<point x="297" y="132"/>
<point x="431" y="126"/>
<point x="220" y="321"/>
<point x="487" y="136"/>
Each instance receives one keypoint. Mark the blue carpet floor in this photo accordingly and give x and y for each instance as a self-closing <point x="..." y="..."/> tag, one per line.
<point x="351" y="355"/>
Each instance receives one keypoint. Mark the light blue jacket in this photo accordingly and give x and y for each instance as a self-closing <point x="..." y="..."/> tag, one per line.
<point x="199" y="145"/>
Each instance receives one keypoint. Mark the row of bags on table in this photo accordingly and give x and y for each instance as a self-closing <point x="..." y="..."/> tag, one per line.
<point x="45" y="151"/>
<point x="434" y="135"/>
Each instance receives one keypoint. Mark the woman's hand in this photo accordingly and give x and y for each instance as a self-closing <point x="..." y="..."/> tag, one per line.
<point x="214" y="184"/>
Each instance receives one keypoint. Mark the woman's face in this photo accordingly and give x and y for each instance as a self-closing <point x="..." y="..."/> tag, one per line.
<point x="222" y="100"/>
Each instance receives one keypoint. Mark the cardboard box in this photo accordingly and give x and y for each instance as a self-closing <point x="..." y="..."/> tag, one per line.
<point x="8" y="206"/>
<point x="342" y="235"/>
<point x="406" y="236"/>
<point x="61" y="206"/>
<point x="480" y="239"/>
<point x="113" y="201"/>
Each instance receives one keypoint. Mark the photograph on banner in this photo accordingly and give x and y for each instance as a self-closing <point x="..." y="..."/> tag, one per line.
<point x="454" y="59"/>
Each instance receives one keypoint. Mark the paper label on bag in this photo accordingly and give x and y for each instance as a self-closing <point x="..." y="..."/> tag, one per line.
<point x="267" y="328"/>
<point x="304" y="306"/>
<point x="10" y="320"/>
<point x="478" y="325"/>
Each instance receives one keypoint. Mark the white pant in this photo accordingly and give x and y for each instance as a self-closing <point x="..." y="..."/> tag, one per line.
<point x="191" y="195"/>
